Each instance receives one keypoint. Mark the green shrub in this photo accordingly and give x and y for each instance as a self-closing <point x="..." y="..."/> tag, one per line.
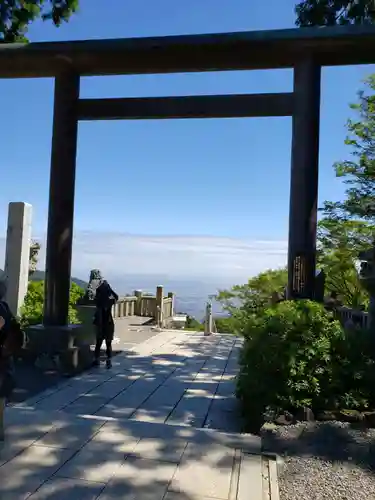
<point x="296" y="355"/>
<point x="32" y="309"/>
<point x="193" y="324"/>
<point x="226" y="324"/>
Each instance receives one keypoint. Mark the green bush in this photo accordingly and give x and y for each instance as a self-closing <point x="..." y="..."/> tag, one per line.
<point x="193" y="324"/>
<point x="226" y="324"/>
<point x="296" y="355"/>
<point x="32" y="309"/>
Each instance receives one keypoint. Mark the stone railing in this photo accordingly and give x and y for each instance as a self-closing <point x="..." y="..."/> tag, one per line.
<point x="146" y="306"/>
<point x="168" y="306"/>
<point x="125" y="306"/>
<point x="345" y="314"/>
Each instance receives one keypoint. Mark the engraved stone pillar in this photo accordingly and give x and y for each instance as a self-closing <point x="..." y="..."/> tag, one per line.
<point x="17" y="254"/>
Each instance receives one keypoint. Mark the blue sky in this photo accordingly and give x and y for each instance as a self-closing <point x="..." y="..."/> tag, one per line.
<point x="210" y="196"/>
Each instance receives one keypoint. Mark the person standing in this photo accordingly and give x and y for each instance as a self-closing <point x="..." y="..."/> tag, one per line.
<point x="12" y="340"/>
<point x="105" y="298"/>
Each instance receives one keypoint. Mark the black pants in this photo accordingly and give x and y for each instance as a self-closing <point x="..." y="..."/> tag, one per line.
<point x="98" y="346"/>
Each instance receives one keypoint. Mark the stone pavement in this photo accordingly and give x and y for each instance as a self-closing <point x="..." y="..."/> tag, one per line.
<point x="142" y="430"/>
<point x="33" y="379"/>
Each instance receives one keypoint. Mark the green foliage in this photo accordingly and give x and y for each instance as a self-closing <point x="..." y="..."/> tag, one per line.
<point x="347" y="227"/>
<point x="193" y="324"/>
<point x="359" y="172"/>
<point x="16" y="15"/>
<point x="339" y="243"/>
<point x="296" y="355"/>
<point x="332" y="12"/>
<point x="225" y="325"/>
<point x="32" y="309"/>
<point x="241" y="302"/>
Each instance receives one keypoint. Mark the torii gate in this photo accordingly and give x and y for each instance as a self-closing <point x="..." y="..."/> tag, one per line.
<point x="305" y="50"/>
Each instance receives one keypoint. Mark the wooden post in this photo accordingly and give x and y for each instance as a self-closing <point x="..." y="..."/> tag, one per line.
<point x="304" y="181"/>
<point x="159" y="306"/>
<point x="61" y="199"/>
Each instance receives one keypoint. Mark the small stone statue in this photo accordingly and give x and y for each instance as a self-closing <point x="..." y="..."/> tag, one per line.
<point x="33" y="259"/>
<point x="95" y="279"/>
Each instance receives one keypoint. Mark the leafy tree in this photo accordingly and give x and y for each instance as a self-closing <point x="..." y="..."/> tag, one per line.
<point x="241" y="302"/>
<point x="193" y="324"/>
<point x="32" y="309"/>
<point x="348" y="226"/>
<point x="224" y="325"/>
<point x="332" y="12"/>
<point x="359" y="172"/>
<point x="256" y="292"/>
<point x="16" y="15"/>
<point x="295" y="355"/>
<point x="339" y="243"/>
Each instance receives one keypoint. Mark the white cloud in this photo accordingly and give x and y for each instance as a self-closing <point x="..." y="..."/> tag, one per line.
<point x="183" y="257"/>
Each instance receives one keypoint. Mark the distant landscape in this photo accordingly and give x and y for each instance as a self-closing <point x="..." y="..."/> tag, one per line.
<point x="191" y="295"/>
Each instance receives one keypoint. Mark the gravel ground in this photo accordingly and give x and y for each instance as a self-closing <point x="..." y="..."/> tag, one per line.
<point x="324" y="460"/>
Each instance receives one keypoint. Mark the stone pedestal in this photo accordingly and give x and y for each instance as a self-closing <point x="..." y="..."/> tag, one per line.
<point x="85" y="313"/>
<point x="68" y="345"/>
<point x="17" y="254"/>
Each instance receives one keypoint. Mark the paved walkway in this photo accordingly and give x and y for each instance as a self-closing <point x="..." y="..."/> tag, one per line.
<point x="143" y="430"/>
<point x="32" y="379"/>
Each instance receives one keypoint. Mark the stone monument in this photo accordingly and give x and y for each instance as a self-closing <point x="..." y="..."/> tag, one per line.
<point x="17" y="254"/>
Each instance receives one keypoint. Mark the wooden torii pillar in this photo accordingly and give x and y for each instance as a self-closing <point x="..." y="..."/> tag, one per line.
<point x="304" y="181"/>
<point x="61" y="198"/>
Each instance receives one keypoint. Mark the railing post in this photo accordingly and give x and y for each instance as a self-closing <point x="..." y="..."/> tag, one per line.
<point x="171" y="296"/>
<point x="159" y="306"/>
<point x="208" y="320"/>
<point x="138" y="305"/>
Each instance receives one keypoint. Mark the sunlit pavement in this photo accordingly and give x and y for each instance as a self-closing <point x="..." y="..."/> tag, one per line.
<point x="163" y="423"/>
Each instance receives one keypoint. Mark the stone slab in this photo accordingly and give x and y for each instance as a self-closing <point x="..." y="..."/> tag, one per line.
<point x="170" y="450"/>
<point x="68" y="489"/>
<point x="165" y="396"/>
<point x="153" y="415"/>
<point x="139" y="478"/>
<point x="204" y="471"/>
<point x="113" y="387"/>
<point x="99" y="460"/>
<point x="87" y="404"/>
<point x="65" y="396"/>
<point x="26" y="472"/>
<point x="70" y="436"/>
<point x="250" y="477"/>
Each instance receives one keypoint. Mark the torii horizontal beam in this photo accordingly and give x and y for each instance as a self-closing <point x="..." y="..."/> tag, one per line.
<point x="331" y="46"/>
<point x="202" y="106"/>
